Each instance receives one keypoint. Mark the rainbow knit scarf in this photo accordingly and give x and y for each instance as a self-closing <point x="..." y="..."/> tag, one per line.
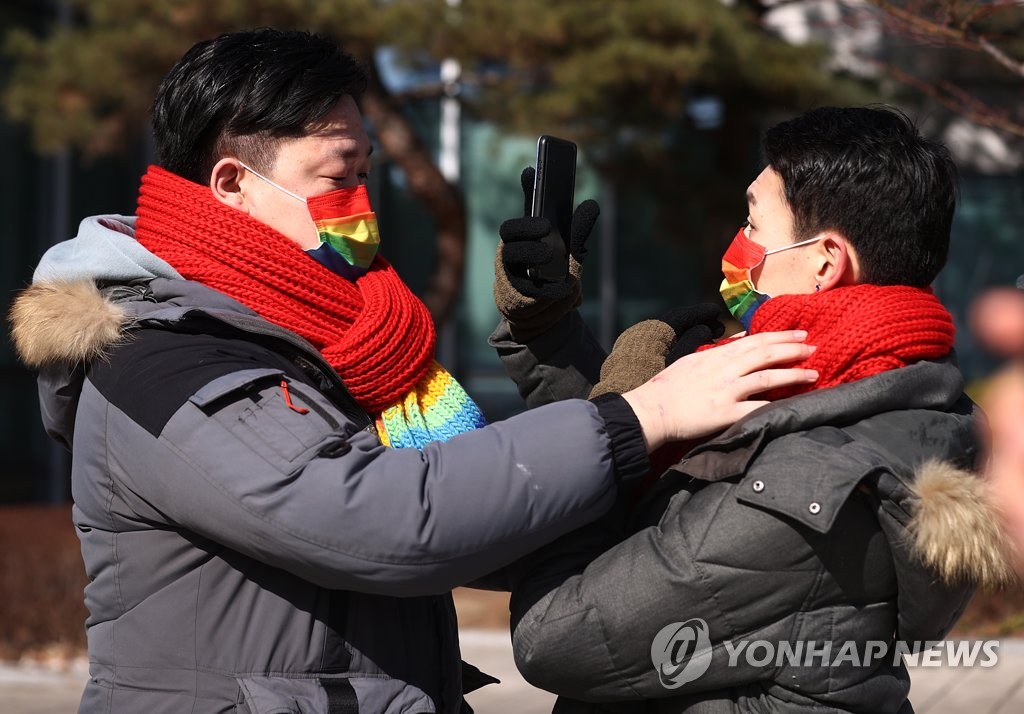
<point x="376" y="334"/>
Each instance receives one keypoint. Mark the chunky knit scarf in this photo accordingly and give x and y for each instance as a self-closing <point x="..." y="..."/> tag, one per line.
<point x="859" y="330"/>
<point x="376" y="334"/>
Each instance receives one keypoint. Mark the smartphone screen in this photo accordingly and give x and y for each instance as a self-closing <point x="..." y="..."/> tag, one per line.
<point x="553" y="188"/>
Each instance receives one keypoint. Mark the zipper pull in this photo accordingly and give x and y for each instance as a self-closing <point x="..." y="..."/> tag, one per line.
<point x="288" y="399"/>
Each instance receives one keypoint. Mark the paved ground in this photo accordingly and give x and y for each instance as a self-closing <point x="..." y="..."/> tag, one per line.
<point x="936" y="690"/>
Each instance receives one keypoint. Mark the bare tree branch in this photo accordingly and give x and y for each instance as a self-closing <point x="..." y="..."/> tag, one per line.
<point x="959" y="101"/>
<point x="1001" y="57"/>
<point x="956" y="33"/>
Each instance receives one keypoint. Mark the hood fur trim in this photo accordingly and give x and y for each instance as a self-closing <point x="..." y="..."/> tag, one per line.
<point x="958" y="530"/>
<point x="64" y="322"/>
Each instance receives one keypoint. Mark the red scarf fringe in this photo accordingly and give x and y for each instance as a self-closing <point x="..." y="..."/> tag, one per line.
<point x="375" y="332"/>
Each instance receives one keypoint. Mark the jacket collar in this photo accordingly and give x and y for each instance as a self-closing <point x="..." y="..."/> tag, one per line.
<point x="925" y="385"/>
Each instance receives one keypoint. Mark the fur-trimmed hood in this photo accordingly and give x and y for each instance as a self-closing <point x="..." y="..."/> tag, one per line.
<point x="64" y="323"/>
<point x="86" y="295"/>
<point x="62" y="318"/>
<point x="957" y="528"/>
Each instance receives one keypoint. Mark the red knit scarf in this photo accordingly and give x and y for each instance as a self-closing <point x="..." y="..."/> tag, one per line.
<point x="859" y="330"/>
<point x="375" y="332"/>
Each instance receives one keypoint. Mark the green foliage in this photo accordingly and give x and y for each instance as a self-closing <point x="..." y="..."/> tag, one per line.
<point x="594" y="68"/>
<point x="597" y="68"/>
<point x="90" y="85"/>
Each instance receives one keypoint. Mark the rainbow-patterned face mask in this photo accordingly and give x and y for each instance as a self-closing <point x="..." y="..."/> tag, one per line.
<point x="344" y="220"/>
<point x="743" y="255"/>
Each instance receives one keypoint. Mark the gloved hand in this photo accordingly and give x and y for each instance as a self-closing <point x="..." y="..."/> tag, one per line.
<point x="647" y="347"/>
<point x="531" y="306"/>
<point x="694" y="325"/>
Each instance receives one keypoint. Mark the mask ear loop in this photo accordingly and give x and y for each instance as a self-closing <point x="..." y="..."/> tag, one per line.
<point x="785" y="247"/>
<point x="277" y="186"/>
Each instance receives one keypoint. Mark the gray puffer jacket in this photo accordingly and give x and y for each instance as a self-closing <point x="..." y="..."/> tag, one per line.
<point x="247" y="556"/>
<point x="845" y="517"/>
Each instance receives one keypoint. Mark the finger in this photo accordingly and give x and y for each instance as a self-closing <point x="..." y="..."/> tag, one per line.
<point x="762" y="339"/>
<point x="773" y="355"/>
<point x="717" y="328"/>
<point x="752" y="347"/>
<point x="548" y="291"/>
<point x="526" y="254"/>
<point x="679" y="318"/>
<point x="688" y="342"/>
<point x="789" y="354"/>
<point x="526" y="181"/>
<point x="706" y="312"/>
<point x="524" y="229"/>
<point x="766" y="379"/>
<point x="684" y="317"/>
<point x="583" y="220"/>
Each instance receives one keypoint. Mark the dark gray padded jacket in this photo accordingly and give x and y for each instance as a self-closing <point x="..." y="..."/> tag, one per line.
<point x="244" y="556"/>
<point x="845" y="515"/>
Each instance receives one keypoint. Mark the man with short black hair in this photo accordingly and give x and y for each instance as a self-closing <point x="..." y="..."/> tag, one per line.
<point x="843" y="517"/>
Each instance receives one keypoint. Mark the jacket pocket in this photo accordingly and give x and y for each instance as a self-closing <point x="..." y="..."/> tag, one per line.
<point x="281" y="695"/>
<point x="272" y="415"/>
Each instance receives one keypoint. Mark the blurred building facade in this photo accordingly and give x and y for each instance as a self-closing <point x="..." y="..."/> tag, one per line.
<point x="632" y="272"/>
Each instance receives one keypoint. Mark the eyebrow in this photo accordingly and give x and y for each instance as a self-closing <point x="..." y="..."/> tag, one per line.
<point x="351" y="153"/>
<point x="751" y="198"/>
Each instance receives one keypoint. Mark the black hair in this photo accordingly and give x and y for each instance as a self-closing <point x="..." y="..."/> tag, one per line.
<point x="241" y="93"/>
<point x="867" y="173"/>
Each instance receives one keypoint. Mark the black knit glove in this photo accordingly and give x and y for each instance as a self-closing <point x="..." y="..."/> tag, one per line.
<point x="694" y="325"/>
<point x="531" y="306"/>
<point x="647" y="347"/>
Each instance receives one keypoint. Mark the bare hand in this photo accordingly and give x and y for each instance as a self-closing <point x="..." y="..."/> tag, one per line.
<point x="705" y="392"/>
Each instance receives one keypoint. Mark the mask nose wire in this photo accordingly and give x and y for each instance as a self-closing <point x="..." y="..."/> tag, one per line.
<point x="275" y="185"/>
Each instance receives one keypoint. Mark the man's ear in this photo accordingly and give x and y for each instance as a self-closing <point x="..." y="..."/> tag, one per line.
<point x="226" y="183"/>
<point x="837" y="263"/>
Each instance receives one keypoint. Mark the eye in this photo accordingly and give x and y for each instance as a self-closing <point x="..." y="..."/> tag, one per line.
<point x="363" y="176"/>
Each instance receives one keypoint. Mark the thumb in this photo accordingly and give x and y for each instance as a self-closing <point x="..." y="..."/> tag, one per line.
<point x="583" y="220"/>
<point x="688" y="342"/>
<point x="526" y="181"/>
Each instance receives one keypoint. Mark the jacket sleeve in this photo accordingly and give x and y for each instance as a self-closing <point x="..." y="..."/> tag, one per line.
<point x="563" y="363"/>
<point x="655" y="615"/>
<point x="301" y="488"/>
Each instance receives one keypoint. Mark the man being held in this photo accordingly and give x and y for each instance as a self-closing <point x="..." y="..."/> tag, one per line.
<point x="843" y="513"/>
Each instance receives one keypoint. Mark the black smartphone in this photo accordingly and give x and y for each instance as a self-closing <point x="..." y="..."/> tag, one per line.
<point x="553" y="187"/>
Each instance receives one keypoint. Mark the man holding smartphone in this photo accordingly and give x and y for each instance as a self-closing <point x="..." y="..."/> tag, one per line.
<point x="844" y="515"/>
